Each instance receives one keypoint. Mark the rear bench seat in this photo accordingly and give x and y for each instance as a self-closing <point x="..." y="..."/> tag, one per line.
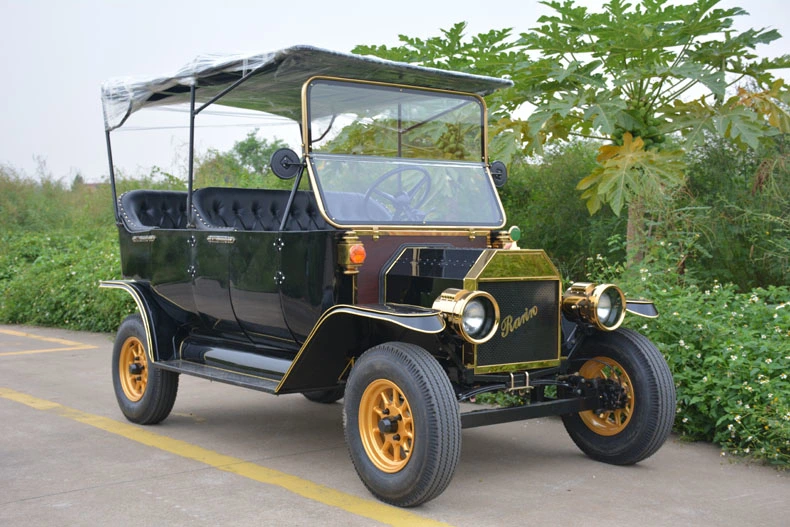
<point x="242" y="209"/>
<point x="143" y="210"/>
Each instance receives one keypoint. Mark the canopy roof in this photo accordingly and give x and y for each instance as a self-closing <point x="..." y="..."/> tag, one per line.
<point x="275" y="81"/>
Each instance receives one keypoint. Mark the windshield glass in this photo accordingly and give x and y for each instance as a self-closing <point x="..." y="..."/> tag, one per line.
<point x="365" y="119"/>
<point x="399" y="156"/>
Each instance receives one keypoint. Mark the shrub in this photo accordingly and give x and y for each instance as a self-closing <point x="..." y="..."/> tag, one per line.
<point x="543" y="201"/>
<point x="729" y="353"/>
<point x="745" y="229"/>
<point x="53" y="280"/>
<point x="56" y="243"/>
<point x="730" y="356"/>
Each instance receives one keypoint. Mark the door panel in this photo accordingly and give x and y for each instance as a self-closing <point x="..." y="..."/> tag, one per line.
<point x="254" y="287"/>
<point x="211" y="288"/>
<point x="171" y="264"/>
<point x="309" y="286"/>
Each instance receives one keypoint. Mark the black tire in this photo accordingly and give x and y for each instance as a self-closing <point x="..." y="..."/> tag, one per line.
<point x="630" y="435"/>
<point x="145" y="396"/>
<point x="326" y="396"/>
<point x="426" y="438"/>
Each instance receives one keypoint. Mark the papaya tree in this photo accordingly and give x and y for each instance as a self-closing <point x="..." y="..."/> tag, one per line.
<point x="633" y="75"/>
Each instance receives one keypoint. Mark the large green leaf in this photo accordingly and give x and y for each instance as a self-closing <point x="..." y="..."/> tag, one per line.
<point x="508" y="137"/>
<point x="741" y="124"/>
<point x="629" y="170"/>
<point x="606" y="115"/>
<point x="711" y="78"/>
<point x="693" y="119"/>
<point x="771" y="104"/>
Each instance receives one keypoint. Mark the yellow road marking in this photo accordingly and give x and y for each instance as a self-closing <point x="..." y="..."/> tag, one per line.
<point x="70" y="344"/>
<point x="39" y="337"/>
<point x="50" y="350"/>
<point x="374" y="510"/>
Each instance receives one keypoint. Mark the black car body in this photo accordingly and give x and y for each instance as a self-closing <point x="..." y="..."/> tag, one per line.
<point x="389" y="281"/>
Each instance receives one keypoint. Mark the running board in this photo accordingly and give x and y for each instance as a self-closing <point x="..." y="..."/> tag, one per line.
<point x="268" y="385"/>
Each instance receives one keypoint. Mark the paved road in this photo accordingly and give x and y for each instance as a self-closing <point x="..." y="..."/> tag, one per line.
<point x="235" y="457"/>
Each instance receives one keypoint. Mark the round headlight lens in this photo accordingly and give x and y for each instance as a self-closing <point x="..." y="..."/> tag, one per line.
<point x="609" y="308"/>
<point x="474" y="318"/>
<point x="604" y="309"/>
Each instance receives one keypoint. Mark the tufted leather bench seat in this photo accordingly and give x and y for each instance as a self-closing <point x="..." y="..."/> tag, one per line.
<point x="142" y="210"/>
<point x="255" y="210"/>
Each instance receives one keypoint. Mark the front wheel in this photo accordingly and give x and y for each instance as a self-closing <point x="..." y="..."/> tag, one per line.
<point x="402" y="424"/>
<point x="145" y="394"/>
<point x="629" y="434"/>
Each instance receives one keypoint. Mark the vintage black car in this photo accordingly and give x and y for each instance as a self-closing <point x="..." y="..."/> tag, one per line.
<point x="383" y="277"/>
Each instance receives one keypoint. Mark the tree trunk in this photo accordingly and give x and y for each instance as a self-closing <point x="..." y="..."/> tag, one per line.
<point x="635" y="232"/>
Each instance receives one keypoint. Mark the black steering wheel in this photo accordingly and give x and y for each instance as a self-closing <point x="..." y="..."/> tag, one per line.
<point x="405" y="201"/>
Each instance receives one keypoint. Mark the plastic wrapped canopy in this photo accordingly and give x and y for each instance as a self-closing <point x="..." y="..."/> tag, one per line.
<point x="275" y="82"/>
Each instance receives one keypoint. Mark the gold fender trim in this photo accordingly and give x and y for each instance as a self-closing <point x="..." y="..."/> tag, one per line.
<point x="130" y="287"/>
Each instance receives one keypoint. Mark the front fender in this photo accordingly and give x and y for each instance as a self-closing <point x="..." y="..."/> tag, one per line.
<point x="641" y="308"/>
<point x="344" y="332"/>
<point x="573" y="338"/>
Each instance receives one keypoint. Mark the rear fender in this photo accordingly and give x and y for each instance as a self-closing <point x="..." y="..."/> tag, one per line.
<point x="344" y="332"/>
<point x="161" y="322"/>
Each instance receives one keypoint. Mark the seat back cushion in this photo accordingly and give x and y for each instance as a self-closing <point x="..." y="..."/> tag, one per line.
<point x="157" y="209"/>
<point x="255" y="210"/>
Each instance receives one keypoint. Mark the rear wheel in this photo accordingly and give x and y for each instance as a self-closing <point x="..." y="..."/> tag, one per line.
<point x="629" y="434"/>
<point x="145" y="395"/>
<point x="402" y="424"/>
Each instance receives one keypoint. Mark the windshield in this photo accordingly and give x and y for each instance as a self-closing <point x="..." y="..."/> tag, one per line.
<point x="399" y="156"/>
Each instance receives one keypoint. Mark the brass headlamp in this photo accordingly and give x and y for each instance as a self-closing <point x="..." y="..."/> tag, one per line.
<point x="601" y="305"/>
<point x="473" y="314"/>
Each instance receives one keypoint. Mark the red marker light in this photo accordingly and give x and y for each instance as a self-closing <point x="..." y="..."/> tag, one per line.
<point x="357" y="254"/>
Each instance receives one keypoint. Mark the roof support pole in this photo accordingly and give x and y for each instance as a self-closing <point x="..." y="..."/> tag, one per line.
<point x="190" y="173"/>
<point x="112" y="178"/>
<point x="291" y="196"/>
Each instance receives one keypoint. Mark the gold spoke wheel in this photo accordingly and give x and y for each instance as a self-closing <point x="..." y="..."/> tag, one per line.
<point x="386" y="426"/>
<point x="612" y="422"/>
<point x="133" y="369"/>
